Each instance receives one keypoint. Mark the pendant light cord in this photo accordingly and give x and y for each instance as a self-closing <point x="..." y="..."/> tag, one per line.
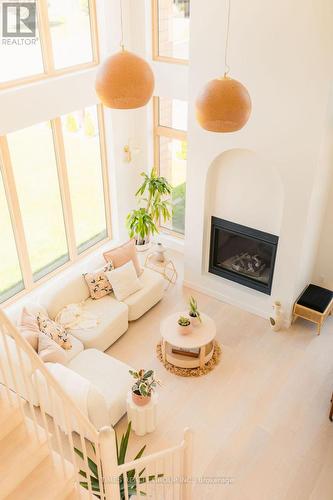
<point x="226" y="65"/>
<point x="122" y="26"/>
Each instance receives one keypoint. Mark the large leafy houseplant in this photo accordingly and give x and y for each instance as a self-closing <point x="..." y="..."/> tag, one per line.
<point x="132" y="486"/>
<point x="144" y="385"/>
<point x="153" y="197"/>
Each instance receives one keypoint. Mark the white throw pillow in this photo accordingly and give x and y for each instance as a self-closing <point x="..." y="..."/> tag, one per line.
<point x="124" y="280"/>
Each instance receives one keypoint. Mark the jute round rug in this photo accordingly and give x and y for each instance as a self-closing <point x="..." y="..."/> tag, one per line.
<point x="191" y="372"/>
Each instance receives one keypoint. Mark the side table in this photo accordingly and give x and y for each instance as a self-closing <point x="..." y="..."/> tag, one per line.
<point x="200" y="341"/>
<point x="166" y="268"/>
<point x="143" y="418"/>
<point x="315" y="304"/>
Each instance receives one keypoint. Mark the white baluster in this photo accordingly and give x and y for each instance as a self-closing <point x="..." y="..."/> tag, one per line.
<point x="9" y="393"/>
<point x="187" y="465"/>
<point x="109" y="463"/>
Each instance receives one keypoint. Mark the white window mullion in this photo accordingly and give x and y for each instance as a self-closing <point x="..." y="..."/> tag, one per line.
<point x="45" y="36"/>
<point x="94" y="30"/>
<point x="15" y="213"/>
<point x="104" y="163"/>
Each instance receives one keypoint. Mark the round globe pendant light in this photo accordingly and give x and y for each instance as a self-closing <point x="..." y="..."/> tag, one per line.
<point x="224" y="104"/>
<point x="124" y="80"/>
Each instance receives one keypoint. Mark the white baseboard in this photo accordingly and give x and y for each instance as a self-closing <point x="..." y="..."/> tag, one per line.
<point x="224" y="298"/>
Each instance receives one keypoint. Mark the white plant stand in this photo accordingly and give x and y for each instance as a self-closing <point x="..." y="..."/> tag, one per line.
<point x="143" y="418"/>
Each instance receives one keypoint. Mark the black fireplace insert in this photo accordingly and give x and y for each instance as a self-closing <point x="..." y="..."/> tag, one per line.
<point x="242" y="254"/>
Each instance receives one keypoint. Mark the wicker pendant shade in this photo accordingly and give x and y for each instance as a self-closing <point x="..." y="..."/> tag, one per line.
<point x="224" y="105"/>
<point x="124" y="81"/>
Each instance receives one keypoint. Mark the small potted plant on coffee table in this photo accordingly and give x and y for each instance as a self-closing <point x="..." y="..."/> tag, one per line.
<point x="194" y="312"/>
<point x="184" y="325"/>
<point x="145" y="384"/>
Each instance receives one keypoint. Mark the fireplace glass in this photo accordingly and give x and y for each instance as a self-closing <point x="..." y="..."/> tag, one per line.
<point x="242" y="254"/>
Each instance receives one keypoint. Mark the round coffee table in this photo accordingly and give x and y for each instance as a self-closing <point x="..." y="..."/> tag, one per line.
<point x="198" y="345"/>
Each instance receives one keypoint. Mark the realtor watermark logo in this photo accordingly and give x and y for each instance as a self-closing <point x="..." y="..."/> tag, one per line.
<point x="19" y="19"/>
<point x="19" y="22"/>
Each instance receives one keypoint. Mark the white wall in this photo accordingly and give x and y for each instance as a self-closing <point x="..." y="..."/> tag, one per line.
<point x="323" y="271"/>
<point x="323" y="258"/>
<point x="124" y="126"/>
<point x="282" y="52"/>
<point x="245" y="189"/>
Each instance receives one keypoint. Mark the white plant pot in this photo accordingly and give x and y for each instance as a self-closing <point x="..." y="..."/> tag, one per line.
<point x="143" y="248"/>
<point x="276" y="318"/>
<point x="194" y="321"/>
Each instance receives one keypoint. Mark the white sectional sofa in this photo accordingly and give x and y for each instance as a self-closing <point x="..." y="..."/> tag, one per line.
<point x="112" y="316"/>
<point x="108" y="377"/>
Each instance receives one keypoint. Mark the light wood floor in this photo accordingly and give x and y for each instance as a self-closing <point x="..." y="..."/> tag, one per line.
<point x="260" y="418"/>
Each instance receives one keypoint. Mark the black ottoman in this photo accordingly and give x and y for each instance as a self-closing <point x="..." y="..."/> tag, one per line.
<point x="314" y="304"/>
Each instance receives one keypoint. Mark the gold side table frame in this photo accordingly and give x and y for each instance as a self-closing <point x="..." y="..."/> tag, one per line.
<point x="166" y="268"/>
<point x="312" y="315"/>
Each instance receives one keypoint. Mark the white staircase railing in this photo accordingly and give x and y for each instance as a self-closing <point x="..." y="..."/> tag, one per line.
<point x="28" y="384"/>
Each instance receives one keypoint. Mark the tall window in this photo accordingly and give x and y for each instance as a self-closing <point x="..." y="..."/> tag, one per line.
<point x="83" y="158"/>
<point x="56" y="179"/>
<point x="171" y="30"/>
<point x="170" y="144"/>
<point x="69" y="22"/>
<point x="35" y="171"/>
<point x="11" y="281"/>
<point x="62" y="36"/>
<point x="20" y="57"/>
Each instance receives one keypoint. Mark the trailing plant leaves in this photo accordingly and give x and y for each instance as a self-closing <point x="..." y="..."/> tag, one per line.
<point x="85" y="485"/>
<point x="124" y="445"/>
<point x="91" y="463"/>
<point x="141" y="452"/>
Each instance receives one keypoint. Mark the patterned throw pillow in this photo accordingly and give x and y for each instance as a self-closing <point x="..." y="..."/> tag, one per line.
<point x="98" y="283"/>
<point x="53" y="330"/>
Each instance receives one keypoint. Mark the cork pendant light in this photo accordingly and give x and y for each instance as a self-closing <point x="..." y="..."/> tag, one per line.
<point x="224" y="104"/>
<point x="124" y="80"/>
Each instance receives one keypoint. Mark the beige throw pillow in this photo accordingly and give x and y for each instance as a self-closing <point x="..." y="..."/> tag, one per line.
<point x="54" y="331"/>
<point x="98" y="283"/>
<point x="123" y="254"/>
<point x="124" y="281"/>
<point x="49" y="351"/>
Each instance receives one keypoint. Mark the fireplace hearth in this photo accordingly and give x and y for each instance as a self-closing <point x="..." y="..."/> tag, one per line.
<point x="242" y="254"/>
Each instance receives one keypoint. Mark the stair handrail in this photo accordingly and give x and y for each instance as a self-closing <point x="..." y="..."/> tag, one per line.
<point x="69" y="410"/>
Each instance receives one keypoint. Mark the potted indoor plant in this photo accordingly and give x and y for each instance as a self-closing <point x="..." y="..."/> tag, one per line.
<point x="184" y="325"/>
<point x="134" y="483"/>
<point x="153" y="197"/>
<point x="145" y="384"/>
<point x="194" y="312"/>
